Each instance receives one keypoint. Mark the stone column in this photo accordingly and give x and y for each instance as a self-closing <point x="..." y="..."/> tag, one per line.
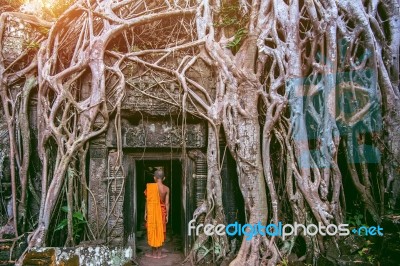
<point x="97" y="199"/>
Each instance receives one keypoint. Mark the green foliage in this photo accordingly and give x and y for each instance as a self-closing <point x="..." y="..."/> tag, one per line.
<point x="61" y="225"/>
<point x="366" y="252"/>
<point x="356" y="220"/>
<point x="237" y="38"/>
<point x="284" y="262"/>
<point x="31" y="45"/>
<point x="44" y="30"/>
<point x="231" y="19"/>
<point x="78" y="222"/>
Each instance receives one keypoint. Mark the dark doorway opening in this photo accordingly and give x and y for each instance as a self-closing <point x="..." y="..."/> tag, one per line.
<point x="173" y="179"/>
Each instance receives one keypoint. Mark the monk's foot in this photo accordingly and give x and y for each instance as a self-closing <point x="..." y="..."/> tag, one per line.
<point x="161" y="256"/>
<point x="149" y="255"/>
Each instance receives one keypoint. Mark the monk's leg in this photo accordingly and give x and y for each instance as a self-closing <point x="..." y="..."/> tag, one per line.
<point x="160" y="255"/>
<point x="153" y="253"/>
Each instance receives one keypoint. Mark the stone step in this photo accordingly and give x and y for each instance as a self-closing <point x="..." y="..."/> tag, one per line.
<point x="78" y="256"/>
<point x="46" y="257"/>
<point x="7" y="263"/>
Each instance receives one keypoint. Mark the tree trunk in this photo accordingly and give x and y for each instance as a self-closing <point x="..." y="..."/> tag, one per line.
<point x="251" y="179"/>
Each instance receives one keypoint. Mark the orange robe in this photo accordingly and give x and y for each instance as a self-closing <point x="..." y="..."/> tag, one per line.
<point x="156" y="216"/>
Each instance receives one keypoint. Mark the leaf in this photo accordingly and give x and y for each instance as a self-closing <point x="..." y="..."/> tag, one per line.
<point x="78" y="215"/>
<point x="79" y="222"/>
<point x="64" y="208"/>
<point x="237" y="38"/>
<point x="61" y="225"/>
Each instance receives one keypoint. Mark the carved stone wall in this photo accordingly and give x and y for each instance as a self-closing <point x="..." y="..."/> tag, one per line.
<point x="159" y="134"/>
<point x="161" y="95"/>
<point x="107" y="184"/>
<point x="145" y="96"/>
<point x="115" y="181"/>
<point x="16" y="38"/>
<point x="97" y="201"/>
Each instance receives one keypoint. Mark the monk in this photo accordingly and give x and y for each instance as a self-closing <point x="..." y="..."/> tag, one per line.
<point x="156" y="214"/>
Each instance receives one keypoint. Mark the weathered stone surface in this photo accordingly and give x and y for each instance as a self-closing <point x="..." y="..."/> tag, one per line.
<point x="106" y="201"/>
<point x="115" y="183"/>
<point x="159" y="134"/>
<point x="16" y="38"/>
<point x="40" y="257"/>
<point x="97" y="201"/>
<point x="160" y="95"/>
<point x="146" y="96"/>
<point x="85" y="256"/>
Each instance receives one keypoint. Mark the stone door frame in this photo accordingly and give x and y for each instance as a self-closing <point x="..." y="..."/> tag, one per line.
<point x="130" y="159"/>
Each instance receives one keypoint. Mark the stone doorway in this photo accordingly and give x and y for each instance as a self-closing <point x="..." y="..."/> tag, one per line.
<point x="139" y="171"/>
<point x="173" y="178"/>
<point x="118" y="193"/>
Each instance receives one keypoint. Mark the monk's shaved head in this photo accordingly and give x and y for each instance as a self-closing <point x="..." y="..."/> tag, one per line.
<point x="159" y="173"/>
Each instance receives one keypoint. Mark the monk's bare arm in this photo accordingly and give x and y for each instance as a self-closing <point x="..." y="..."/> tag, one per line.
<point x="145" y="206"/>
<point x="167" y="203"/>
